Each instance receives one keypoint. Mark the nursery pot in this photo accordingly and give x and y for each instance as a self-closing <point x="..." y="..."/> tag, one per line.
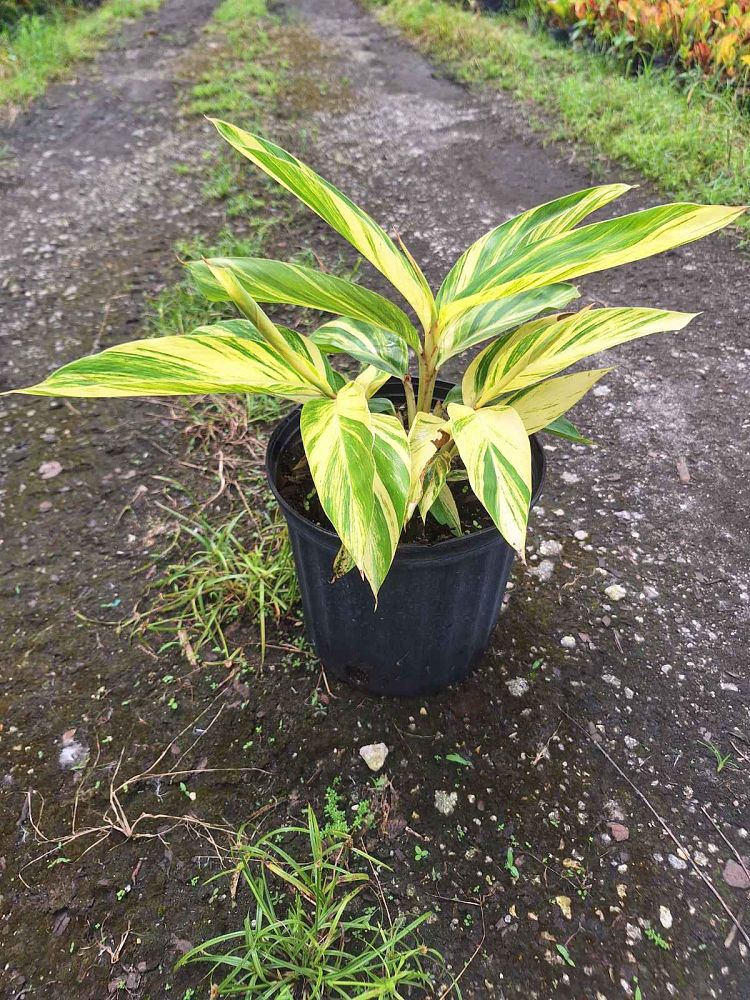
<point x="560" y="35"/>
<point x="437" y="606"/>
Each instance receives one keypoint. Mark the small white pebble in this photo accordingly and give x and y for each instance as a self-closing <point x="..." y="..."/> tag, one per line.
<point x="445" y="802"/>
<point x="549" y="547"/>
<point x="518" y="686"/>
<point x="633" y="933"/>
<point x="374" y="755"/>
<point x="544" y="570"/>
<point x="568" y="642"/>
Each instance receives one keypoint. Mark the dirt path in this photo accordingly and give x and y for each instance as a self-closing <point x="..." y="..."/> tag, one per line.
<point x="92" y="204"/>
<point x="666" y="667"/>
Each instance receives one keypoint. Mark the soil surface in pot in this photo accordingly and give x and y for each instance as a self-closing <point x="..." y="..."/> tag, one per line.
<point x="296" y="486"/>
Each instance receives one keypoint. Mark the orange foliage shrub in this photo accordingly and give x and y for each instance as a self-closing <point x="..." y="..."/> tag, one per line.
<point x="712" y="35"/>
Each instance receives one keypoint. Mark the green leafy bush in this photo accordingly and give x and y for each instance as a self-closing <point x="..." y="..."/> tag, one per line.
<point x="711" y="37"/>
<point x="11" y="11"/>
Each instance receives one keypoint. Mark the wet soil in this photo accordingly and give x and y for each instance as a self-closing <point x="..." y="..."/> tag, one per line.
<point x="648" y="676"/>
<point x="91" y="205"/>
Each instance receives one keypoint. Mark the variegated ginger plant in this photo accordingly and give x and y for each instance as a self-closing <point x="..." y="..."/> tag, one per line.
<point x="372" y="470"/>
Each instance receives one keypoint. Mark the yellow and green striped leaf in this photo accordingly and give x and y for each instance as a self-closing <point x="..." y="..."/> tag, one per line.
<point x="590" y="248"/>
<point x="542" y="404"/>
<point x="538" y="223"/>
<point x="371" y="379"/>
<point x="370" y="344"/>
<point x="234" y="327"/>
<point x="340" y="213"/>
<point x="427" y="434"/>
<point x="338" y="439"/>
<point x="301" y="345"/>
<point x="360" y="466"/>
<point x="486" y="377"/>
<point x="298" y="352"/>
<point x="392" y="479"/>
<point x="435" y="477"/>
<point x="546" y="346"/>
<point x="495" y="449"/>
<point x="563" y="428"/>
<point x="445" y="510"/>
<point x="181" y="366"/>
<point x="295" y="284"/>
<point x="493" y="318"/>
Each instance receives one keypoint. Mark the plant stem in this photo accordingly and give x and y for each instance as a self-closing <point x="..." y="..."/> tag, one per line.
<point x="276" y="339"/>
<point x="448" y="450"/>
<point x="427" y="379"/>
<point x="427" y="372"/>
<point x="411" y="404"/>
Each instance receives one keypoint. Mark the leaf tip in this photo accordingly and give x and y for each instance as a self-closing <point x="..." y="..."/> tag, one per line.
<point x="687" y="319"/>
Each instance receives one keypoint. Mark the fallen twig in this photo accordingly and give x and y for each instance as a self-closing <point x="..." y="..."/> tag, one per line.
<point x="667" y="829"/>
<point x="452" y="986"/>
<point x="116" y="820"/>
<point x="726" y="840"/>
<point x="542" y="752"/>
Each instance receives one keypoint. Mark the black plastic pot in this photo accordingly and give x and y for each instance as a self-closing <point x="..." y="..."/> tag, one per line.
<point x="560" y="35"/>
<point x="436" y="609"/>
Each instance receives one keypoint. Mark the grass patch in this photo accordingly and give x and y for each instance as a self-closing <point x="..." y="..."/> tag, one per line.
<point x="239" y="72"/>
<point x="251" y="52"/>
<point x="236" y="64"/>
<point x="362" y="816"/>
<point x="222" y="572"/>
<point x="254" y="64"/>
<point x="219" y="568"/>
<point x="42" y="48"/>
<point x="693" y="145"/>
<point x="312" y="931"/>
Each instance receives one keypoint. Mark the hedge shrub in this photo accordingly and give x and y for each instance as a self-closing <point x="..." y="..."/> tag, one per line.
<point x="11" y="11"/>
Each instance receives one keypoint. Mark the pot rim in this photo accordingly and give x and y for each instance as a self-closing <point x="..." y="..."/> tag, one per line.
<point x="288" y="427"/>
